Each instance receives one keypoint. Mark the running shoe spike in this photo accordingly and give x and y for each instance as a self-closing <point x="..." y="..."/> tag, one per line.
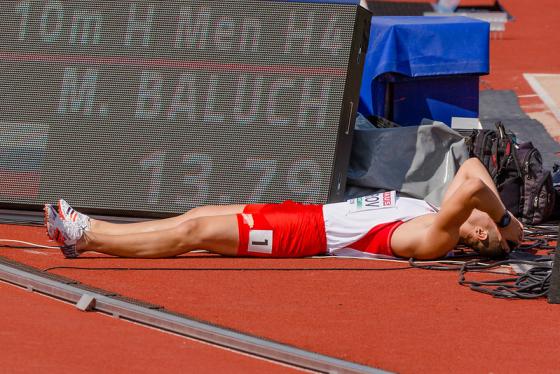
<point x="69" y="251"/>
<point x="68" y="213"/>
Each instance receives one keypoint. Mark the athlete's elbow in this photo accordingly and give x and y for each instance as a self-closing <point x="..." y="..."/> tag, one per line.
<point x="472" y="189"/>
<point x="471" y="166"/>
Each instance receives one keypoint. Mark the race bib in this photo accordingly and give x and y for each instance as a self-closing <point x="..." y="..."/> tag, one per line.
<point x="380" y="200"/>
<point x="260" y="241"/>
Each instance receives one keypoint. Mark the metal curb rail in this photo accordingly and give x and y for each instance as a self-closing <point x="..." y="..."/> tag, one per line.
<point x="185" y="326"/>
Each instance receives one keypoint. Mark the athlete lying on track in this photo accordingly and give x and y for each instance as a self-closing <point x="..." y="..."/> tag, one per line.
<point x="471" y="213"/>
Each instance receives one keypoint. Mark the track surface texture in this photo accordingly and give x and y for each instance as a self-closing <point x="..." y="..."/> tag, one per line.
<point x="406" y="321"/>
<point x="40" y="334"/>
<point x="398" y="320"/>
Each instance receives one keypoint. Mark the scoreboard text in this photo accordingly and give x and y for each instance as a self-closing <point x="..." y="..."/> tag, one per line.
<point x="164" y="105"/>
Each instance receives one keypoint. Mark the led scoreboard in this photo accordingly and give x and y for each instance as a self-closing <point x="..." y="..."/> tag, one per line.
<point x="150" y="108"/>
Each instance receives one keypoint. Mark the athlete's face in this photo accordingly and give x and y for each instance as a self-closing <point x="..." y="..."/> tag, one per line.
<point x="482" y="229"/>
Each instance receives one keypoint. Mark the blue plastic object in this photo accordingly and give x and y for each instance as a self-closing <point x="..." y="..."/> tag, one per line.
<point x="424" y="67"/>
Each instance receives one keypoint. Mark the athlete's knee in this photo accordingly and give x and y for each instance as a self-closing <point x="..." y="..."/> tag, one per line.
<point x="189" y="234"/>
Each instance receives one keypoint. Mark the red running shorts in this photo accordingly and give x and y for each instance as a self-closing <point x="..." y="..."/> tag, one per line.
<point x="281" y="230"/>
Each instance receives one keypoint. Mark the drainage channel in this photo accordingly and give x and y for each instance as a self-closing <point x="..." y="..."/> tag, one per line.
<point x="90" y="298"/>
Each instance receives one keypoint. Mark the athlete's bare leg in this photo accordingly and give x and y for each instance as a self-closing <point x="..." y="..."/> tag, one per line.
<point x="218" y="234"/>
<point x="103" y="227"/>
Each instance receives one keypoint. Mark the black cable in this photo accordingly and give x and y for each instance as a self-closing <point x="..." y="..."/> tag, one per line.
<point x="442" y="265"/>
<point x="538" y="243"/>
<point x="530" y="285"/>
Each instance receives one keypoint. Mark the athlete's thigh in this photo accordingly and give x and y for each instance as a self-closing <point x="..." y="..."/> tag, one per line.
<point x="218" y="234"/>
<point x="214" y="210"/>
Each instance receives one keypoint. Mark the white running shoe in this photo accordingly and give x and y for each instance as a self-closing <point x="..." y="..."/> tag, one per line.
<point x="66" y="233"/>
<point x="67" y="213"/>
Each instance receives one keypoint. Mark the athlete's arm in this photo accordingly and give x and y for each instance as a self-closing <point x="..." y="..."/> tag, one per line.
<point x="473" y="169"/>
<point x="434" y="240"/>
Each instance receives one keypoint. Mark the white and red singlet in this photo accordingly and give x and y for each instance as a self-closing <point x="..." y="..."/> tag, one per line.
<point x="357" y="227"/>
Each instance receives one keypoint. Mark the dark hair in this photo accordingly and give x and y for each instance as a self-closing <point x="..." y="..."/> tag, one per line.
<point x="490" y="247"/>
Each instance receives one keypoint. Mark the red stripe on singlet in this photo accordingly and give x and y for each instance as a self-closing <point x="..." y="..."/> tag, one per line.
<point x="378" y="239"/>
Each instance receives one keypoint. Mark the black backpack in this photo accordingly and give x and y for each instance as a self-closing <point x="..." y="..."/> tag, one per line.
<point x="525" y="188"/>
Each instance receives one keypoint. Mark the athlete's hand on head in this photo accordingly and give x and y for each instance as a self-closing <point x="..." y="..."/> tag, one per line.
<point x="512" y="233"/>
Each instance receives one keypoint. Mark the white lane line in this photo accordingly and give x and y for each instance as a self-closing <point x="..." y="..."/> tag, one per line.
<point x="533" y="80"/>
<point x="531" y="95"/>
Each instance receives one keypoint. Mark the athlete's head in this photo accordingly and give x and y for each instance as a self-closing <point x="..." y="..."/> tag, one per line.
<point x="481" y="234"/>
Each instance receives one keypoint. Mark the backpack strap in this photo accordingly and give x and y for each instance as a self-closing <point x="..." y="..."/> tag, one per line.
<point x="507" y="145"/>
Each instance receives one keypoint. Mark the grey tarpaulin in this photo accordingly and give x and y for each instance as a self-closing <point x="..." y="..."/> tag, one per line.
<point x="418" y="161"/>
